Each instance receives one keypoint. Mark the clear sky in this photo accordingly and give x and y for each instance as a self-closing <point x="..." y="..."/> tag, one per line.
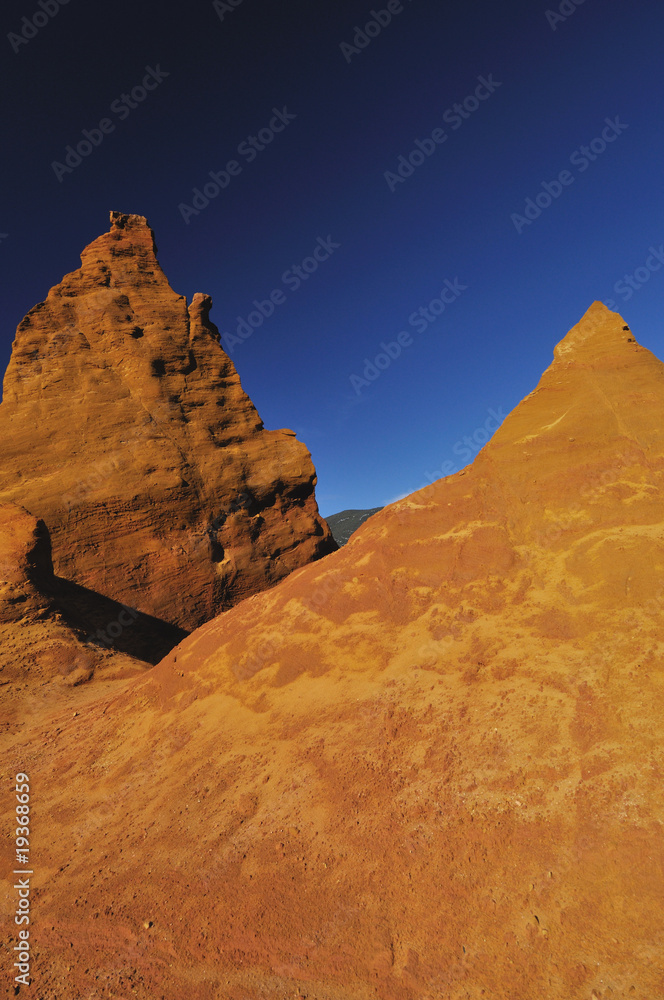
<point x="373" y="210"/>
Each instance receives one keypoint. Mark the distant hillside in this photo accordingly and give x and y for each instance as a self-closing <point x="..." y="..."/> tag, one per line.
<point x="344" y="524"/>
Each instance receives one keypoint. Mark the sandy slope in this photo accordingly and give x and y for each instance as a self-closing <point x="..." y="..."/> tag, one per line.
<point x="428" y="766"/>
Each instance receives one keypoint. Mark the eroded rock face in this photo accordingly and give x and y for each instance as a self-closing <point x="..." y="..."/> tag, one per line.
<point x="25" y="564"/>
<point x="430" y="766"/>
<point x="36" y="643"/>
<point x="56" y="632"/>
<point x="125" y="427"/>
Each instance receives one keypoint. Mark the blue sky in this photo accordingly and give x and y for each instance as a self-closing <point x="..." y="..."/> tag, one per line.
<point x="380" y="376"/>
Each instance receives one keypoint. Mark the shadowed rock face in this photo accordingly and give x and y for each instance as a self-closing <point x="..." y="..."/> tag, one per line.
<point x="430" y="766"/>
<point x="125" y="428"/>
<point x="25" y="564"/>
<point x="35" y="643"/>
<point x="54" y="630"/>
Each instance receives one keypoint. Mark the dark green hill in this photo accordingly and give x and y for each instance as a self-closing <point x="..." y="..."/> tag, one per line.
<point x="343" y="525"/>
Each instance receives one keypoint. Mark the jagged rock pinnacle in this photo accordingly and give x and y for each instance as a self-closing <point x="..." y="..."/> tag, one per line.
<point x="126" y="429"/>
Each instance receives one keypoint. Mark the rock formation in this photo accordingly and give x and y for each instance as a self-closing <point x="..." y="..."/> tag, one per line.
<point x="52" y="630"/>
<point x="25" y="564"/>
<point x="429" y="767"/>
<point x="125" y="428"/>
<point x="36" y="643"/>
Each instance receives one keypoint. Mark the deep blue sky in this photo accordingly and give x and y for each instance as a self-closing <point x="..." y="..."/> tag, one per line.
<point x="324" y="176"/>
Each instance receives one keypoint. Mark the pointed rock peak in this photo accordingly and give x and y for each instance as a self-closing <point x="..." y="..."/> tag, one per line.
<point x="599" y="398"/>
<point x="199" y="317"/>
<point x="123" y="220"/>
<point x="126" y="253"/>
<point x="132" y="230"/>
<point x="152" y="468"/>
<point x="598" y="332"/>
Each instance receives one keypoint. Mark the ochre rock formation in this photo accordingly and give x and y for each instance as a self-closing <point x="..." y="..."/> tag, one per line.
<point x="25" y="563"/>
<point x="428" y="768"/>
<point x="36" y="644"/>
<point x="48" y="626"/>
<point x="125" y="428"/>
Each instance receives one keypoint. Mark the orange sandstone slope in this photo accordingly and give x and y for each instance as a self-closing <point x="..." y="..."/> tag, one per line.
<point x="429" y="767"/>
<point x="125" y="428"/>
